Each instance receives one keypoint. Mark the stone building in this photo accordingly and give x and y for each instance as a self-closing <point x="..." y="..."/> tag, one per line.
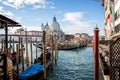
<point x="54" y="29"/>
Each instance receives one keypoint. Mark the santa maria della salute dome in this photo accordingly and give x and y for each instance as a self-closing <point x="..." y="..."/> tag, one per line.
<point x="54" y="29"/>
<point x="55" y="24"/>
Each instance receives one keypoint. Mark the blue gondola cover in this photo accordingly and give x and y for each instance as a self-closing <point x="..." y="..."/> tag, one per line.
<point x="34" y="68"/>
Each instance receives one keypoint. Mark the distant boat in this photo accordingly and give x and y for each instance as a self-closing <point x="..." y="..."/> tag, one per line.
<point x="70" y="47"/>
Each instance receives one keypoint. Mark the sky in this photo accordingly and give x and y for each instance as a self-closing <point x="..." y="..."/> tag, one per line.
<point x="74" y="16"/>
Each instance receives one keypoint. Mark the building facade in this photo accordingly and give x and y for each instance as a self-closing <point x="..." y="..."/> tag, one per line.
<point x="78" y="37"/>
<point x="109" y="19"/>
<point x="54" y="30"/>
<point x="69" y="37"/>
<point x="32" y="33"/>
<point x="112" y="19"/>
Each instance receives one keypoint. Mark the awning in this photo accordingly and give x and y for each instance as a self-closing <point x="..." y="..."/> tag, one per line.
<point x="10" y="22"/>
<point x="6" y="22"/>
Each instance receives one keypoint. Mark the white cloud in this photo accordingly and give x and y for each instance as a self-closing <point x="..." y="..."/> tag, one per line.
<point x="5" y="12"/>
<point x="1" y="8"/>
<point x="75" y="23"/>
<point x="52" y="7"/>
<point x="14" y="3"/>
<point x="72" y="16"/>
<point x="35" y="3"/>
<point x="9" y="14"/>
<point x="44" y="5"/>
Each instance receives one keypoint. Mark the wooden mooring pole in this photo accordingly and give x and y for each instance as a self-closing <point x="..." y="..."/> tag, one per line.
<point x="22" y="52"/>
<point x="96" y="50"/>
<point x="5" y="49"/>
<point x="9" y="46"/>
<point x="31" y="49"/>
<point x="56" y="51"/>
<point x="44" y="53"/>
<point x="52" y="42"/>
<point x="36" y="49"/>
<point x="17" y="57"/>
<point x="13" y="45"/>
<point x="19" y="48"/>
<point x="2" y="45"/>
<point x="27" y="58"/>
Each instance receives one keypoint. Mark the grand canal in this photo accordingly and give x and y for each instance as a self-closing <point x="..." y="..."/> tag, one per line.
<point x="74" y="65"/>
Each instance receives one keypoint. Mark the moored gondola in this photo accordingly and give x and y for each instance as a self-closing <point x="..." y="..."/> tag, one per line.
<point x="68" y="47"/>
<point x="35" y="71"/>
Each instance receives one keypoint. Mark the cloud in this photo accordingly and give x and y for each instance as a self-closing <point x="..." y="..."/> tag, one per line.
<point x="14" y="3"/>
<point x="73" y="16"/>
<point x="9" y="14"/>
<point x="76" y="24"/>
<point x="35" y="3"/>
<point x="1" y="8"/>
<point x="5" y="12"/>
<point x="44" y="5"/>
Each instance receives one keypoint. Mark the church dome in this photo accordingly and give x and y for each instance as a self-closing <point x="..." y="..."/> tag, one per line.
<point x="55" y="24"/>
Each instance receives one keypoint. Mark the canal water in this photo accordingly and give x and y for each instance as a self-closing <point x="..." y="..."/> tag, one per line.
<point x="74" y="65"/>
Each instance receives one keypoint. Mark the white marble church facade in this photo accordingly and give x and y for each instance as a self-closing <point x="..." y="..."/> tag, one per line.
<point x="54" y="29"/>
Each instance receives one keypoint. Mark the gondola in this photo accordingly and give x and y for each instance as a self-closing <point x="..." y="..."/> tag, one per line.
<point x="35" y="71"/>
<point x="68" y="47"/>
<point x="31" y="72"/>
